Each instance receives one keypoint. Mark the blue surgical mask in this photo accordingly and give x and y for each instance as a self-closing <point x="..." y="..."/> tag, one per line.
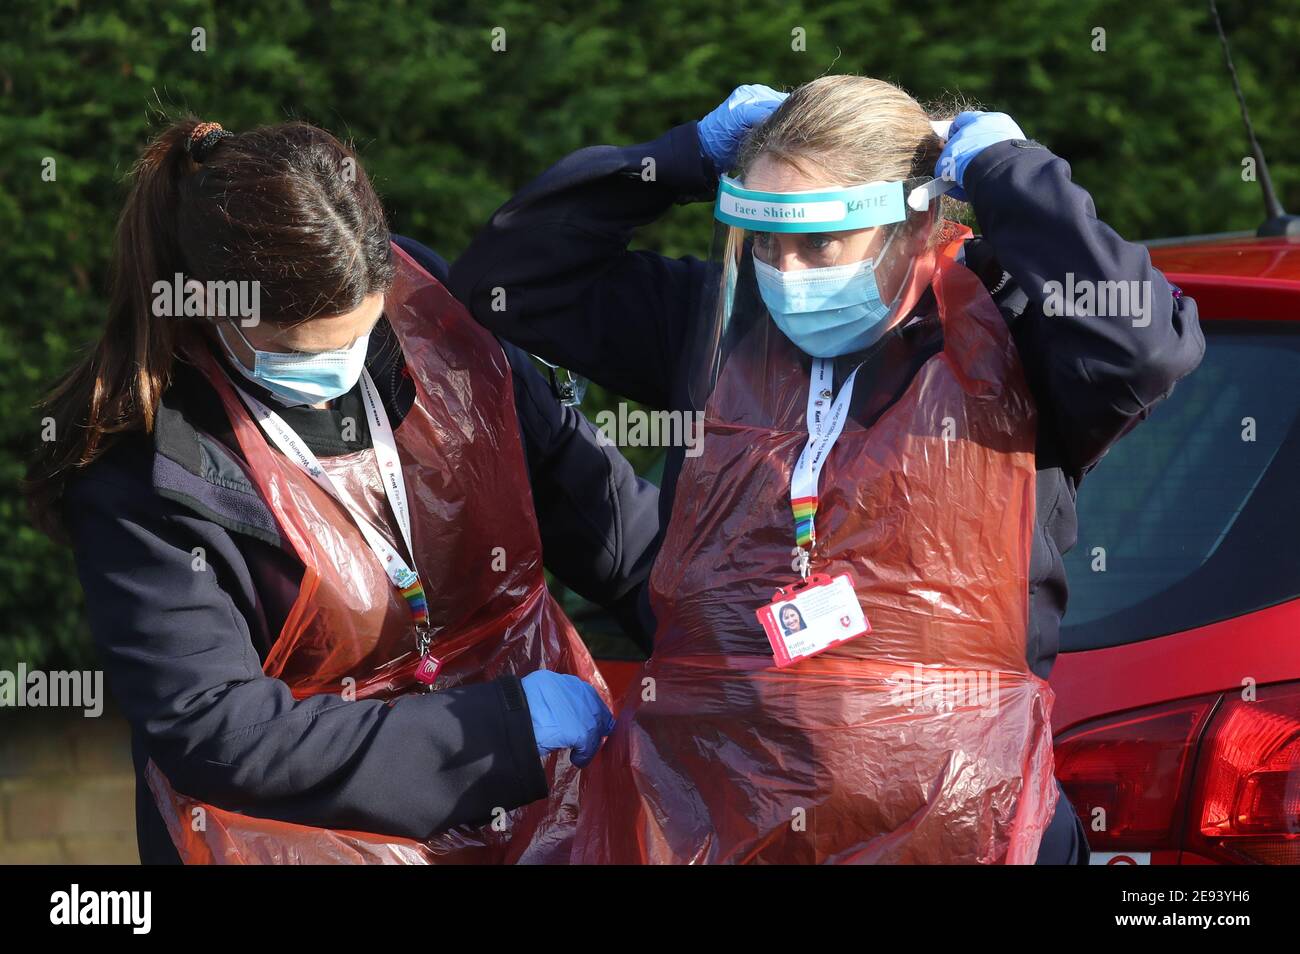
<point x="826" y="312"/>
<point x="297" y="377"/>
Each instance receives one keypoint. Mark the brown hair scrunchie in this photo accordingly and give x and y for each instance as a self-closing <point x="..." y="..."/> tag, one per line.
<point x="203" y="139"/>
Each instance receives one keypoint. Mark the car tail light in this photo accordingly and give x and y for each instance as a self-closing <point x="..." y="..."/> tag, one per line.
<point x="1213" y="778"/>
<point x="1127" y="775"/>
<point x="1246" y="805"/>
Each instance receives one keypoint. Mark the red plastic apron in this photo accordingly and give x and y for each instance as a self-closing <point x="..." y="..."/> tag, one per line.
<point x="925" y="741"/>
<point x="479" y="555"/>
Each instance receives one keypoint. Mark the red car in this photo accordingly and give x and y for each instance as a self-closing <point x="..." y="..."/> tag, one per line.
<point x="1177" y="715"/>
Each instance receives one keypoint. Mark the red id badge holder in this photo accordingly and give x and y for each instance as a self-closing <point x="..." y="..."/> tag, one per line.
<point x="811" y="616"/>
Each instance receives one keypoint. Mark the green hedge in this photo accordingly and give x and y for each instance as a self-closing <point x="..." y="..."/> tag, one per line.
<point x="448" y="128"/>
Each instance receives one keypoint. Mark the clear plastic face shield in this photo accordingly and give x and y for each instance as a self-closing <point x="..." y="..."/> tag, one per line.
<point x="822" y="273"/>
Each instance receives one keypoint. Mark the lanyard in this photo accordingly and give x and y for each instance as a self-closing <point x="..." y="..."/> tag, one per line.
<point x="398" y="571"/>
<point x="824" y="427"/>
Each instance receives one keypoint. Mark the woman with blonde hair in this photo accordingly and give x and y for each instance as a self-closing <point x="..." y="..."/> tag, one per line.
<point x="897" y="415"/>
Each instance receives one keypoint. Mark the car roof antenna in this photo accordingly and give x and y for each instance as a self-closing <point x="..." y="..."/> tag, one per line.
<point x="1279" y="222"/>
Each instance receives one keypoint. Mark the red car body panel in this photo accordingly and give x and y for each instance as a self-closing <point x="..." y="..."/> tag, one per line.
<point x="1260" y="645"/>
<point x="1256" y="279"/>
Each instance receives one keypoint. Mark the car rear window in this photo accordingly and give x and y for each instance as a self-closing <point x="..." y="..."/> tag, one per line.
<point x="1194" y="516"/>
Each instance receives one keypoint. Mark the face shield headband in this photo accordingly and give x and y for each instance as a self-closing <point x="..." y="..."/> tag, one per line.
<point x="833" y="310"/>
<point x="825" y="210"/>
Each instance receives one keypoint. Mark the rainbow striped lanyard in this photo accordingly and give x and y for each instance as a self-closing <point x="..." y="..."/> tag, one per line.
<point x="825" y="420"/>
<point x="401" y="574"/>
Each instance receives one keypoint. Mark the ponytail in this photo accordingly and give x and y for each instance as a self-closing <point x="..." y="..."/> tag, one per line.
<point x="115" y="388"/>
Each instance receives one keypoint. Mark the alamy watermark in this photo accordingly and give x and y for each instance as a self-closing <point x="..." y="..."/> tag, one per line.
<point x="634" y="427"/>
<point x="133" y="909"/>
<point x="1110" y="299"/>
<point x="36" y="689"/>
<point x="191" y="298"/>
<point x="942" y="689"/>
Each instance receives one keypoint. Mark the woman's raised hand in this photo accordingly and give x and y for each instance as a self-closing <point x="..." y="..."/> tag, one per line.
<point x="724" y="129"/>
<point x="970" y="134"/>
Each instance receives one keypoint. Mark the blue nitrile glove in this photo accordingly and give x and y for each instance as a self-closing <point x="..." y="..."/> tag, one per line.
<point x="567" y="714"/>
<point x="724" y="129"/>
<point x="971" y="133"/>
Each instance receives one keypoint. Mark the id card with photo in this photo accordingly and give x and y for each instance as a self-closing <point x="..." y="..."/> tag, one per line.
<point x="811" y="616"/>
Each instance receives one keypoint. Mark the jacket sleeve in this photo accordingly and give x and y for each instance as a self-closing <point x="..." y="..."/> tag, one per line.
<point x="178" y="656"/>
<point x="1094" y="374"/>
<point x="599" y="522"/>
<point x="552" y="273"/>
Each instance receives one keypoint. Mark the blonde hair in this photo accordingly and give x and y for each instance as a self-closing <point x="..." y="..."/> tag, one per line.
<point x="852" y="129"/>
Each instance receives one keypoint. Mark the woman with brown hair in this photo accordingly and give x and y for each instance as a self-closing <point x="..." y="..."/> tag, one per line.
<point x="300" y="484"/>
<point x="897" y="415"/>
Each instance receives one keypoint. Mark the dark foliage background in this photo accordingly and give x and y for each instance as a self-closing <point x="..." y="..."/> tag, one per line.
<point x="448" y="129"/>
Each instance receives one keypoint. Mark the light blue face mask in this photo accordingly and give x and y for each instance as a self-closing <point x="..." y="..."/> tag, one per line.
<point x="298" y="378"/>
<point x="830" y="311"/>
